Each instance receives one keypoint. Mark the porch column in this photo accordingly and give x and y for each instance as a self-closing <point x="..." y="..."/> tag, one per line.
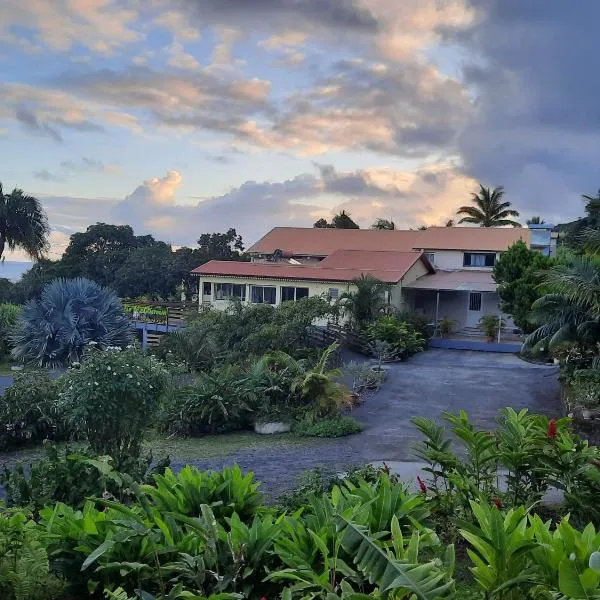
<point x="248" y="291"/>
<point x="437" y="311"/>
<point x="200" y="293"/>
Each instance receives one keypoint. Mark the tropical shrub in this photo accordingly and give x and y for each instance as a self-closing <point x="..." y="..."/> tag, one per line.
<point x="490" y="325"/>
<point x="9" y="315"/>
<point x="363" y="376"/>
<point x="24" y="565"/>
<point x="584" y="389"/>
<point x="216" y="402"/>
<point x="112" y="398"/>
<point x="365" y="304"/>
<point x="329" y="428"/>
<point x="55" y="329"/>
<point x="30" y="411"/>
<point x="418" y="321"/>
<point x="403" y="338"/>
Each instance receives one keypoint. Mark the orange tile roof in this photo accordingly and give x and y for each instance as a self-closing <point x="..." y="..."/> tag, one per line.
<point x="342" y="267"/>
<point x="323" y="242"/>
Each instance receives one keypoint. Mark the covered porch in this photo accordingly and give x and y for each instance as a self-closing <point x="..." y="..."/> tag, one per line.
<point x="463" y="298"/>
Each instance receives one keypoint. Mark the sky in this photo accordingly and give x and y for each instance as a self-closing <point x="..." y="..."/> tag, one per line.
<point x="181" y="117"/>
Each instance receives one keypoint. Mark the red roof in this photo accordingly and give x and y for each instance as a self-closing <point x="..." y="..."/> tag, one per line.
<point x="345" y="266"/>
<point x="322" y="242"/>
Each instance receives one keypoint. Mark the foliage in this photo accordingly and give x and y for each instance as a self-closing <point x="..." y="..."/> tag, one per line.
<point x="226" y="492"/>
<point x="570" y="310"/>
<point x="584" y="389"/>
<point x="363" y="376"/>
<point x="402" y="337"/>
<point x="328" y="428"/>
<point x="23" y="224"/>
<point x="9" y="315"/>
<point x="489" y="210"/>
<point x="24" y="566"/>
<point x="218" y="401"/>
<point x="112" y="398"/>
<point x="447" y="326"/>
<point x="517" y="273"/>
<point x="365" y="304"/>
<point x="341" y="220"/>
<point x="30" y="411"/>
<point x="71" y="313"/>
<point x="72" y="476"/>
<point x="575" y="234"/>
<point x="383" y="224"/>
<point x="419" y="322"/>
<point x="491" y="324"/>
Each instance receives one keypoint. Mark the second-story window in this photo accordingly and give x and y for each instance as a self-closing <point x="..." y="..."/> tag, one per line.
<point x="472" y="259"/>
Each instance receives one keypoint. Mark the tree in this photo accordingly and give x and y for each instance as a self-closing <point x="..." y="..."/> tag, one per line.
<point x="101" y="250"/>
<point x="365" y="304"/>
<point x="340" y="221"/>
<point x="489" y="210"/>
<point x="584" y="232"/>
<point x="517" y="273"/>
<point x="221" y="246"/>
<point x="55" y="329"/>
<point x="147" y="270"/>
<point x="23" y="224"/>
<point x="321" y="224"/>
<point x="536" y="220"/>
<point x="383" y="224"/>
<point x="450" y="223"/>
<point x="570" y="310"/>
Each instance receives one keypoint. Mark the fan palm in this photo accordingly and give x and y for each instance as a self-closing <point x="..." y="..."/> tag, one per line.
<point x="23" y="224"/>
<point x="70" y="314"/>
<point x="571" y="309"/>
<point x="489" y="210"/>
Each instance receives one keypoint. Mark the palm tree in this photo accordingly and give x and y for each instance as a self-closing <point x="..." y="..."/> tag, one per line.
<point x="571" y="309"/>
<point x="23" y="224"/>
<point x="536" y="220"/>
<point x="383" y="224"/>
<point x="366" y="303"/>
<point x="450" y="223"/>
<point x="489" y="210"/>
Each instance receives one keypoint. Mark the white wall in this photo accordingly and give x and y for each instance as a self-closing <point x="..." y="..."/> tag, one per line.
<point x="451" y="260"/>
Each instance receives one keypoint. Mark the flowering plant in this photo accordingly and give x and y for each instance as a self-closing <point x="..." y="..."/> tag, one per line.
<point x="111" y="398"/>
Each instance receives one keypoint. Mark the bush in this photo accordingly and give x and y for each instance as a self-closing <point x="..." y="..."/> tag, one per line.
<point x="403" y="338"/>
<point x="584" y="389"/>
<point x="9" y="315"/>
<point x="329" y="428"/>
<point x="418" y="321"/>
<point x="112" y="398"/>
<point x="55" y="329"/>
<point x="30" y="411"/>
<point x="216" y="402"/>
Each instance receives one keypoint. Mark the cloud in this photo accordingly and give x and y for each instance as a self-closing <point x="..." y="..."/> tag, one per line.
<point x="102" y="26"/>
<point x="535" y="127"/>
<point x="45" y="175"/>
<point x="88" y="164"/>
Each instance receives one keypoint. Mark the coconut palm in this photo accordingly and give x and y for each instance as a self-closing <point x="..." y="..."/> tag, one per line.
<point x="536" y="220"/>
<point x="366" y="303"/>
<point x="571" y="309"/>
<point x="489" y="210"/>
<point x="23" y="224"/>
<point x="70" y="314"/>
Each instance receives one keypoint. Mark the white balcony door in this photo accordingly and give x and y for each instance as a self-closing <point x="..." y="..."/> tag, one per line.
<point x="474" y="308"/>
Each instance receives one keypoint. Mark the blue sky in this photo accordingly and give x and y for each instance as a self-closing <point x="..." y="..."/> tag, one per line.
<point x="187" y="116"/>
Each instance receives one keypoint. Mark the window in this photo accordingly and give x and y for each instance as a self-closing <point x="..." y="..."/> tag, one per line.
<point x="475" y="301"/>
<point x="293" y="293"/>
<point x="334" y="293"/>
<point x="430" y="256"/>
<point x="207" y="288"/>
<point x="264" y="294"/>
<point x="479" y="260"/>
<point x="228" y="291"/>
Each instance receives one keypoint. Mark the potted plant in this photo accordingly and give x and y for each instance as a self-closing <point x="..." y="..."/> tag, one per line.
<point x="490" y="325"/>
<point x="447" y="327"/>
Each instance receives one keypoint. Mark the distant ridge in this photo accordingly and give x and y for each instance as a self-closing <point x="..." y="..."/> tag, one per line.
<point x="13" y="270"/>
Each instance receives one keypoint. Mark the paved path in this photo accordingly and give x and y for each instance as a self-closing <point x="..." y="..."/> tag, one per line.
<point x="427" y="384"/>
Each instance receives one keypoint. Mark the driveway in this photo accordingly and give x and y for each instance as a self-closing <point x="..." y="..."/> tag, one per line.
<point x="428" y="384"/>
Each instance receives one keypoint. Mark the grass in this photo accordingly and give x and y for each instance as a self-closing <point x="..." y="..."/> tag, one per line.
<point x="181" y="449"/>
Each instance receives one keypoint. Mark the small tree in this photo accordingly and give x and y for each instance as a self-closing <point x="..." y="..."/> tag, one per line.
<point x="365" y="304"/>
<point x="112" y="398"/>
<point x="517" y="274"/>
<point x="383" y="224"/>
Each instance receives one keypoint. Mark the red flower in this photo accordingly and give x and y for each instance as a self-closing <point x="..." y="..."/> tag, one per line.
<point x="422" y="485"/>
<point x="552" y="429"/>
<point x="498" y="503"/>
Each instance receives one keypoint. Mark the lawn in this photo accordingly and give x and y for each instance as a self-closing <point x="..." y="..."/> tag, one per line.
<point x="182" y="450"/>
